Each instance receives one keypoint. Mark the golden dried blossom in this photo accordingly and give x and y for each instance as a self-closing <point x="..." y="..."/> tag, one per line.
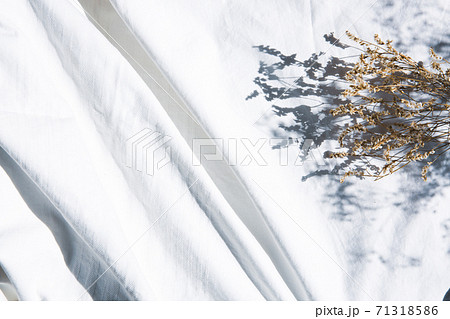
<point x="398" y="110"/>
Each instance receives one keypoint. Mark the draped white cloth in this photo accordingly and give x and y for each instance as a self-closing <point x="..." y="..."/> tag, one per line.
<point x="79" y="79"/>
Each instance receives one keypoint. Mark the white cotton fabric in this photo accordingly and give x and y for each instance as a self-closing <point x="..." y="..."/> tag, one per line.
<point x="78" y="79"/>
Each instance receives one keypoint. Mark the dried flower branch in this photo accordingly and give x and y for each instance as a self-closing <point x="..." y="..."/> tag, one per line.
<point x="398" y="108"/>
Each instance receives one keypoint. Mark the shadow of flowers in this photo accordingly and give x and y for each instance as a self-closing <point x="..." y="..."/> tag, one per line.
<point x="302" y="92"/>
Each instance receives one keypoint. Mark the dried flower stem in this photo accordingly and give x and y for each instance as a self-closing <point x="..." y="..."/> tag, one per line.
<point x="398" y="108"/>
